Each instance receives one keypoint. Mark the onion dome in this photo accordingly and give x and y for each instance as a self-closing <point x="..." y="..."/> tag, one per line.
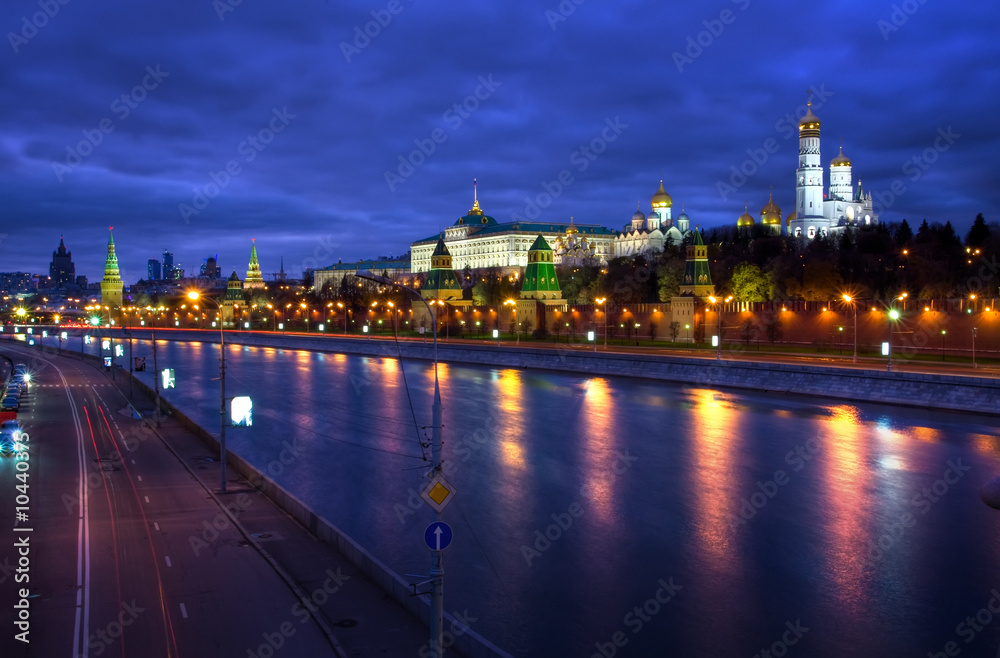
<point x="809" y="123"/>
<point x="791" y="217"/>
<point x="770" y="214"/>
<point x="841" y="160"/>
<point x="746" y="219"/>
<point x="637" y="216"/>
<point x="683" y="217"/>
<point x="661" y="199"/>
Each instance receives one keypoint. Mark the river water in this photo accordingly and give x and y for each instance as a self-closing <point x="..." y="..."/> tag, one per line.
<point x="609" y="516"/>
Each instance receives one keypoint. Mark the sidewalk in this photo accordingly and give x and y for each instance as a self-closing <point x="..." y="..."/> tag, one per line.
<point x="360" y="619"/>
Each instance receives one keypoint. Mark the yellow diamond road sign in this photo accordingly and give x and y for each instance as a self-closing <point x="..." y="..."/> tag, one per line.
<point x="438" y="493"/>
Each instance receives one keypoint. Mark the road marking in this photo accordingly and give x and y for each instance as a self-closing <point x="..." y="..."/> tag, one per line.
<point x="156" y="525"/>
<point x="167" y="558"/>
<point x="133" y="461"/>
<point x="184" y="611"/>
<point x="147" y="498"/>
<point x="140" y="477"/>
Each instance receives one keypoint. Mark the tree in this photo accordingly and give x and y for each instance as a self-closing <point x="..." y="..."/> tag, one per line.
<point x="749" y="283"/>
<point x="979" y="233"/>
<point x="670" y="274"/>
<point x="903" y="234"/>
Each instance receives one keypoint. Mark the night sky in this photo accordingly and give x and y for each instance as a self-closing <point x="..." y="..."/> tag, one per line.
<point x="533" y="84"/>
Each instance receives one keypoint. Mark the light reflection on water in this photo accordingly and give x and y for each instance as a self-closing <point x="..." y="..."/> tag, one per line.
<point x="526" y="445"/>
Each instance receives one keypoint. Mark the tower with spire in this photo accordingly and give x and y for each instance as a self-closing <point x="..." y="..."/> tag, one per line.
<point x="233" y="300"/>
<point x="111" y="285"/>
<point x="254" y="278"/>
<point x="62" y="272"/>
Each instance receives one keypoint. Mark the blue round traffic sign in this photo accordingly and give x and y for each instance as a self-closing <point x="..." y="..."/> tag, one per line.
<point x="438" y="536"/>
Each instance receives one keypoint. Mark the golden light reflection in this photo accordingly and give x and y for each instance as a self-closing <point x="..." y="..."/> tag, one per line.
<point x="511" y="435"/>
<point x="847" y="512"/>
<point x="597" y="418"/>
<point x="928" y="434"/>
<point x="716" y="482"/>
<point x="985" y="443"/>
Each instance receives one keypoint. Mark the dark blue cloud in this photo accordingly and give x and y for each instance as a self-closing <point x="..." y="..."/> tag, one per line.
<point x="318" y="189"/>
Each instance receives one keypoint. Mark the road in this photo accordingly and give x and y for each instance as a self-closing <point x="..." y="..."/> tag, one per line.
<point x="111" y="565"/>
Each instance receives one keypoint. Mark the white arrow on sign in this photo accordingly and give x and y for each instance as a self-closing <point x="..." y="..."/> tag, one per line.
<point x="437" y="536"/>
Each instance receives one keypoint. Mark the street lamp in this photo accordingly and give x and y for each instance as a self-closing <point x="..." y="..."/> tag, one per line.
<point x="718" y="314"/>
<point x="600" y="302"/>
<point x="341" y="306"/>
<point x="513" y="315"/>
<point x="437" y="563"/>
<point x="975" y="330"/>
<point x="893" y="315"/>
<point x="850" y="300"/>
<point x="222" y="386"/>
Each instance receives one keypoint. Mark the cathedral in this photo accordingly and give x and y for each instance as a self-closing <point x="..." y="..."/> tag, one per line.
<point x="817" y="211"/>
<point x="648" y="234"/>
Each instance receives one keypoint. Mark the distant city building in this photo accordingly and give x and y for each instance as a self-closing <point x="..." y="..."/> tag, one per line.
<point x="210" y="268"/>
<point x="62" y="272"/>
<point x="17" y="282"/>
<point x="153" y="270"/>
<point x="171" y="271"/>
<point x="81" y="281"/>
<point x="233" y="300"/>
<point x="111" y="285"/>
<point x="477" y="240"/>
<point x="254" y="278"/>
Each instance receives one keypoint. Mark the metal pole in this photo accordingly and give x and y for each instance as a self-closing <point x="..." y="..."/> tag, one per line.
<point x="131" y="363"/>
<point x="888" y="365"/>
<point x="156" y="378"/>
<point x="222" y="401"/>
<point x="974" y="329"/>
<point x="855" y="359"/>
<point x="718" y="348"/>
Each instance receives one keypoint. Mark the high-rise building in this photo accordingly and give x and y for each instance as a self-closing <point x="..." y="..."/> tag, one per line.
<point x="111" y="285"/>
<point x="62" y="272"/>
<point x="153" y="271"/>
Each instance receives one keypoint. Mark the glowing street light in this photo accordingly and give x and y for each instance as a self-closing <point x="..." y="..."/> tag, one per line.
<point x="850" y="300"/>
<point x="513" y="315"/>
<point x="194" y="295"/>
<point x="600" y="302"/>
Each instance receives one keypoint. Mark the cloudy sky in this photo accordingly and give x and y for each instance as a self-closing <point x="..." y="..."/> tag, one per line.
<point x="342" y="130"/>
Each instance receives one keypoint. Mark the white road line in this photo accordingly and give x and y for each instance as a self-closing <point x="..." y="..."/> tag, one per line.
<point x="147" y="498"/>
<point x="184" y="611"/>
<point x="156" y="525"/>
<point x="167" y="558"/>
<point x="140" y="477"/>
<point x="133" y="461"/>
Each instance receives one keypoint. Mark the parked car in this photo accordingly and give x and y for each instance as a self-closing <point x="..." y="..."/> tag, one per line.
<point x="13" y="426"/>
<point x="9" y="443"/>
<point x="10" y="403"/>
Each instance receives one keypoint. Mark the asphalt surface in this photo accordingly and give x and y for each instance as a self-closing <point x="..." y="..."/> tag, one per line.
<point x="130" y="552"/>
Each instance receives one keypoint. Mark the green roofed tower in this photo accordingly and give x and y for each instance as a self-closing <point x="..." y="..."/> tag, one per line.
<point x="233" y="299"/>
<point x="697" y="278"/>
<point x="254" y="278"/>
<point x="111" y="285"/>
<point x="442" y="283"/>
<point x="540" y="281"/>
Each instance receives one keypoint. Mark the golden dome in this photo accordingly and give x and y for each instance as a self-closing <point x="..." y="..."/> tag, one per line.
<point x="770" y="214"/>
<point x="809" y="121"/>
<point x="746" y="219"/>
<point x="791" y="216"/>
<point x="841" y="160"/>
<point x="661" y="199"/>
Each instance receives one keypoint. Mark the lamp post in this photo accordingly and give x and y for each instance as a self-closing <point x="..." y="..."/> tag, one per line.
<point x="437" y="564"/>
<point x="513" y="316"/>
<point x="718" y="314"/>
<point x="222" y="387"/>
<point x="974" y="331"/>
<point x="850" y="300"/>
<point x="600" y="302"/>
<point x="892" y="315"/>
<point x="943" y="333"/>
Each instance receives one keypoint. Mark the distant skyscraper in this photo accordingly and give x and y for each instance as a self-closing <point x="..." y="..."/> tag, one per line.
<point x="111" y="284"/>
<point x="254" y="278"/>
<point x="153" y="271"/>
<point x="169" y="271"/>
<point x="62" y="272"/>
<point x="211" y="268"/>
